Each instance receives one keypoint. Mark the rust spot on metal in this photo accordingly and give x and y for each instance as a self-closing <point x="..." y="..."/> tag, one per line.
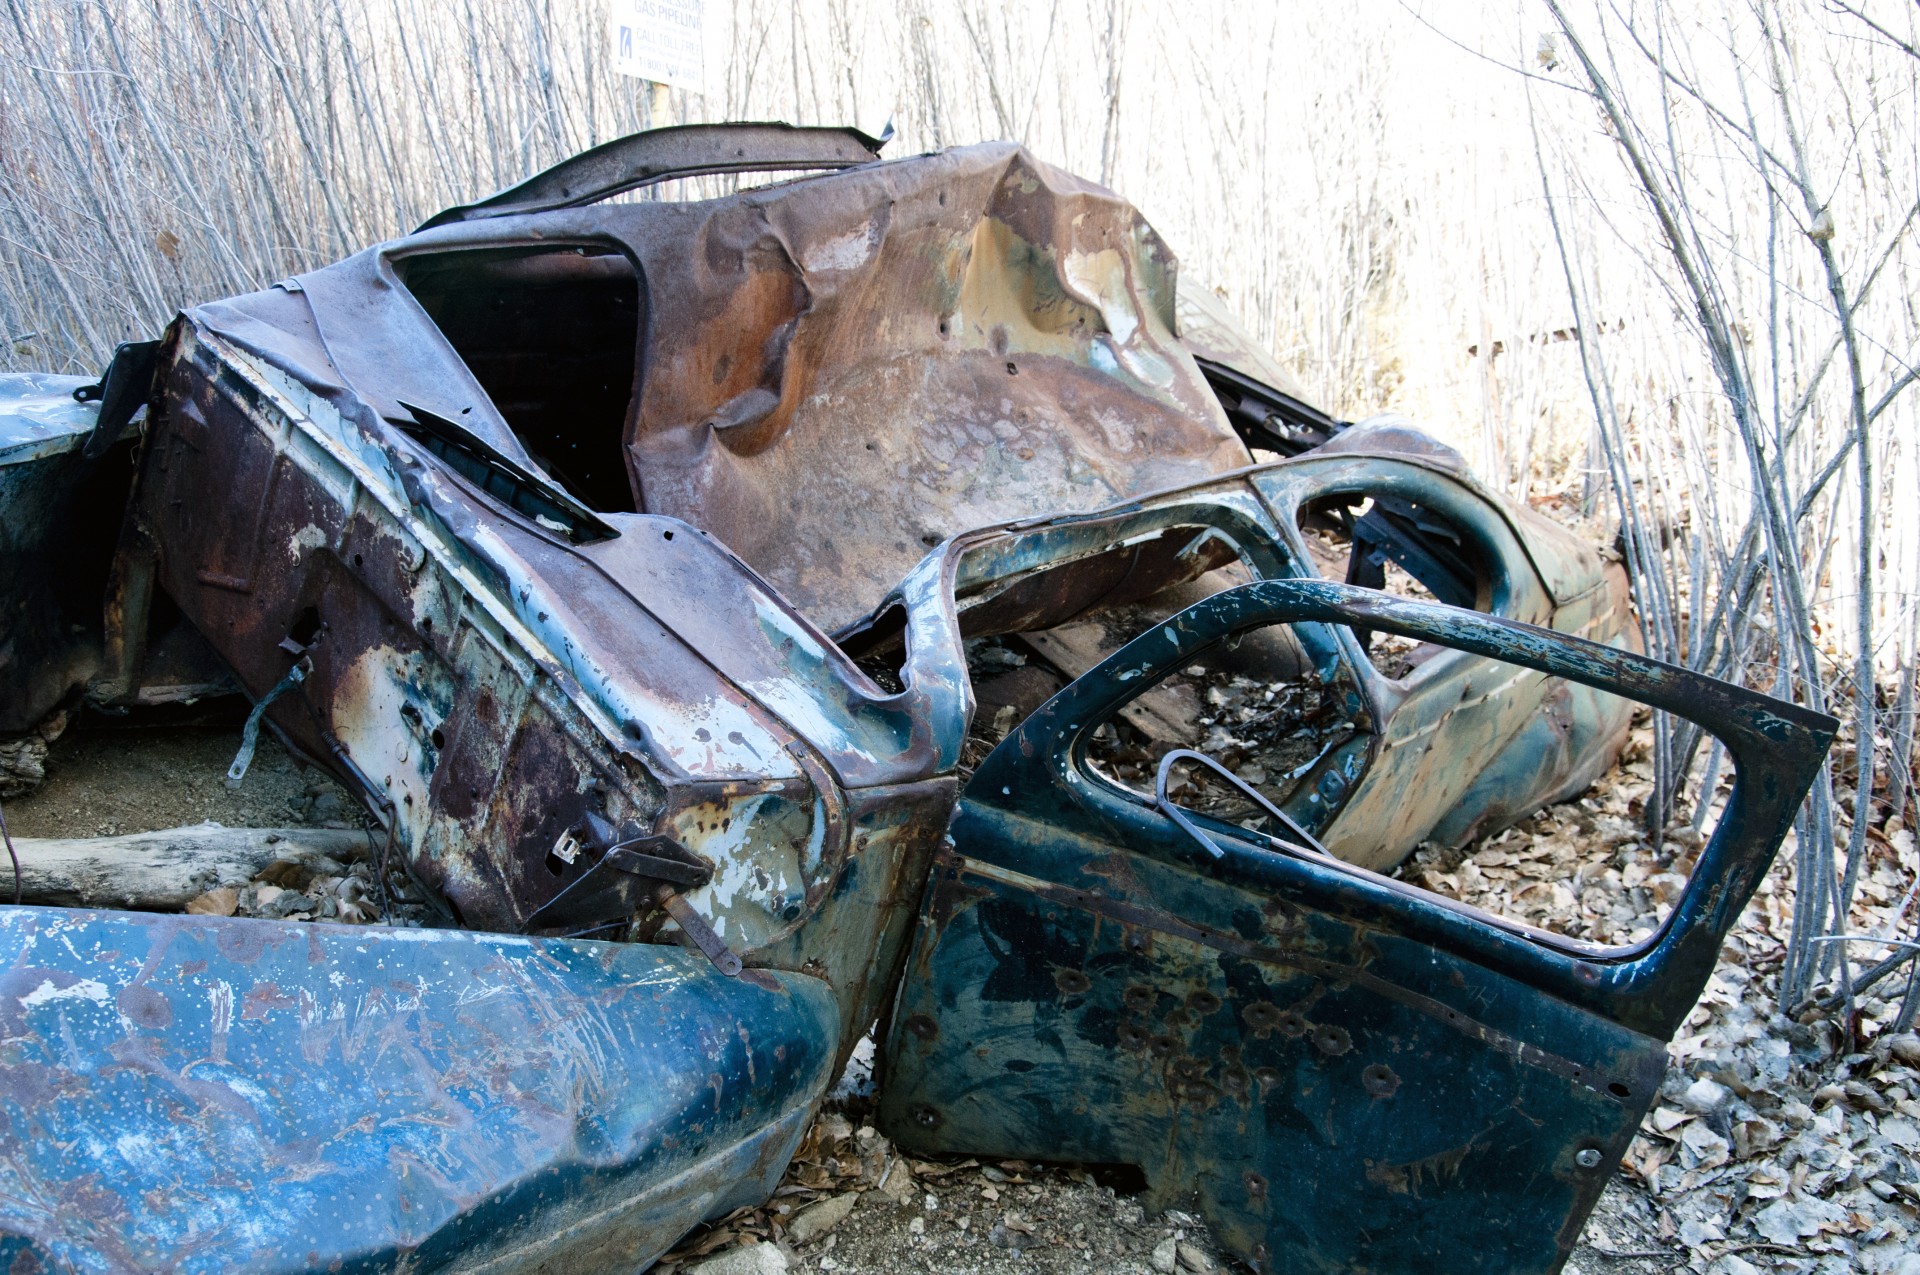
<point x="145" y="1006"/>
<point x="923" y="1026"/>
<point x="241" y="943"/>
<point x="1072" y="982"/>
<point x="1409" y="1177"/>
<point x="1332" y="1040"/>
<point x="264" y="998"/>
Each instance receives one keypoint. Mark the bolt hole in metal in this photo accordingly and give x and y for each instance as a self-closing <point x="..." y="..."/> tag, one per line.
<point x="1379" y="1080"/>
<point x="1619" y="1090"/>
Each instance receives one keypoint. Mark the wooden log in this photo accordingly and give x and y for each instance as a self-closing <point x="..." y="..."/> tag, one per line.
<point x="162" y="871"/>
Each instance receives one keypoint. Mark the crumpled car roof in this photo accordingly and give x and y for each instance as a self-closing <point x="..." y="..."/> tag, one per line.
<point x="843" y="371"/>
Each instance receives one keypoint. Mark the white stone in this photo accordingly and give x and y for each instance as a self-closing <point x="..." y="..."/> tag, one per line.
<point x="747" y="1259"/>
<point x="818" y="1219"/>
<point x="1165" y="1257"/>
<point x="1194" y="1259"/>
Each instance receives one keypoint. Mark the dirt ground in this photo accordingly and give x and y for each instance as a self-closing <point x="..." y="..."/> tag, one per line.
<point x="108" y="776"/>
<point x="1770" y="1150"/>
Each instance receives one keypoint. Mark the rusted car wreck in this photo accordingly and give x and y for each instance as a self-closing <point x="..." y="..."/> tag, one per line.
<point x="752" y="619"/>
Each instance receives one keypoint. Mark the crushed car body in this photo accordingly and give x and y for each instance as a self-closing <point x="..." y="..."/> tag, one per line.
<point x="750" y="619"/>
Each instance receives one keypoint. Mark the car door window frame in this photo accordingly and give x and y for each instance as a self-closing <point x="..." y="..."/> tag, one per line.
<point x="1775" y="749"/>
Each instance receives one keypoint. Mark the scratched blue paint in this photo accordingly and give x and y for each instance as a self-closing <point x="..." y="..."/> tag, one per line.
<point x="197" y="1094"/>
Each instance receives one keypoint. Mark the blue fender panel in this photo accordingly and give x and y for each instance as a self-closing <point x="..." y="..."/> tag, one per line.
<point x="198" y="1093"/>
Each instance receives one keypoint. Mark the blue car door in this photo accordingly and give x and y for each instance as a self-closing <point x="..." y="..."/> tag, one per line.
<point x="1341" y="1071"/>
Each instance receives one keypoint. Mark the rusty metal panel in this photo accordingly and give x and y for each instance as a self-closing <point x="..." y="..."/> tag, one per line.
<point x="961" y="339"/>
<point x="199" y="1094"/>
<point x="837" y="372"/>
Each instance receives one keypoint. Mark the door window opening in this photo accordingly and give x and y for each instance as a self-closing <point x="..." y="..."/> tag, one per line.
<point x="1260" y="694"/>
<point x="1587" y="866"/>
<point x="552" y="335"/>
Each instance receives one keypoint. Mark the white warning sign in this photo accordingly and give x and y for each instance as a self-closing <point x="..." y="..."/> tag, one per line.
<point x="661" y="40"/>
